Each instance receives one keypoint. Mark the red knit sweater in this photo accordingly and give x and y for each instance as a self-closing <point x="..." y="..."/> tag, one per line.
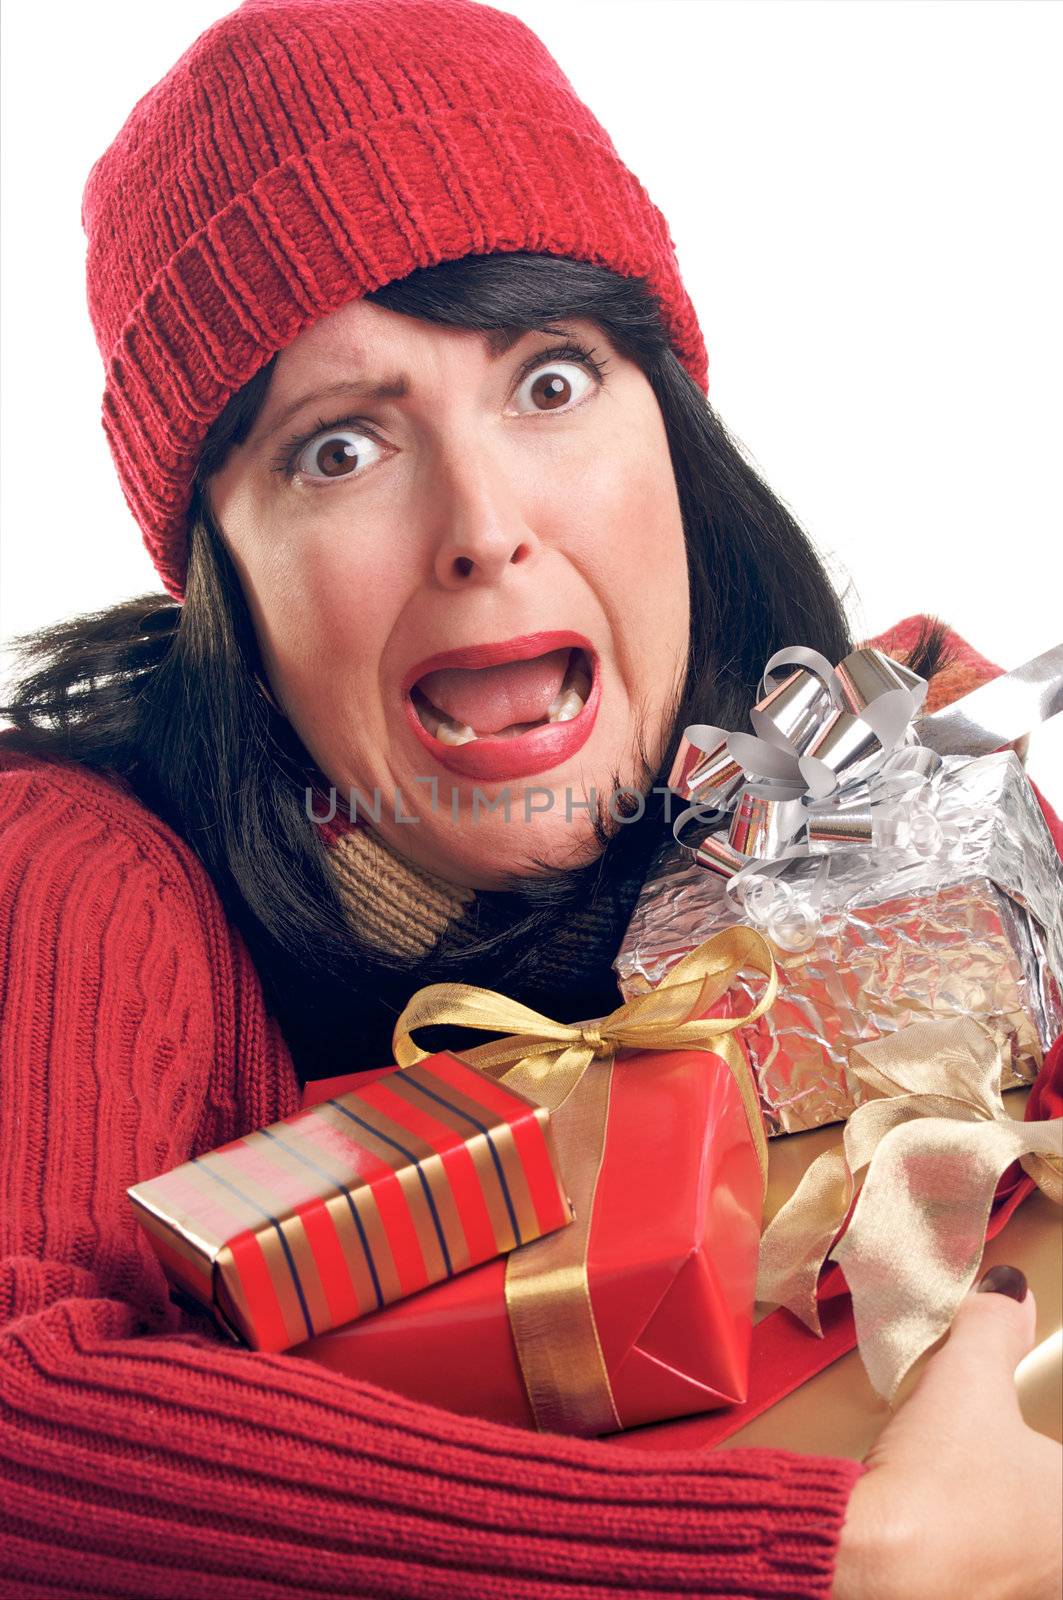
<point x="141" y="1458"/>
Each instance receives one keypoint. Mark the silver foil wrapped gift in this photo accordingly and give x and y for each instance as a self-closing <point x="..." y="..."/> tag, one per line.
<point x="900" y="866"/>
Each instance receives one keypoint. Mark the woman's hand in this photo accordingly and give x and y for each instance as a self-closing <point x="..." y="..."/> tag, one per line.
<point x="961" y="1500"/>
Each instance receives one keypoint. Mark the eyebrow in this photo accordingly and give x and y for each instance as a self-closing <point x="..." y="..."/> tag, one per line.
<point x="497" y="341"/>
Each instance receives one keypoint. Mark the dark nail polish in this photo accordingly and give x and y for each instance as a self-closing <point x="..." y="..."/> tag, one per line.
<point x="1004" y="1280"/>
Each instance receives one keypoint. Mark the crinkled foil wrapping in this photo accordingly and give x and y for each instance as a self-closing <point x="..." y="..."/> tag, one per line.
<point x="977" y="932"/>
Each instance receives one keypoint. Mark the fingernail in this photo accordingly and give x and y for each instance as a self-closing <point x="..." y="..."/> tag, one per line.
<point x="1004" y="1280"/>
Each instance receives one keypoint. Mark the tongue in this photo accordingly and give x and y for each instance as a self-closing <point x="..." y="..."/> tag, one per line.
<point x="492" y="698"/>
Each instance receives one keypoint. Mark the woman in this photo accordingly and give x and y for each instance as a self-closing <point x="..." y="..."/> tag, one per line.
<point x="548" y="559"/>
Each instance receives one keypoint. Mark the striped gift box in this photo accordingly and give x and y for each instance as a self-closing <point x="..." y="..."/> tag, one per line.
<point x="356" y="1202"/>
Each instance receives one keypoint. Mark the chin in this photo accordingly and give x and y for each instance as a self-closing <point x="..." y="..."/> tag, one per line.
<point x="478" y="859"/>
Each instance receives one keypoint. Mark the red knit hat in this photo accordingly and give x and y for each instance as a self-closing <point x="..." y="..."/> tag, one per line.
<point x="302" y="153"/>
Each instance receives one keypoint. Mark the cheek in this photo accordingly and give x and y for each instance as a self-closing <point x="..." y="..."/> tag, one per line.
<point x="323" y="638"/>
<point x="630" y="540"/>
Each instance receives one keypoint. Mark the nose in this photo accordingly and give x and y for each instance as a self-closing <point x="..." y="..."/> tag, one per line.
<point x="483" y="533"/>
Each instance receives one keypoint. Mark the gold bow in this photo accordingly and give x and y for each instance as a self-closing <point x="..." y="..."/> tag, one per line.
<point x="934" y="1142"/>
<point x="567" y="1067"/>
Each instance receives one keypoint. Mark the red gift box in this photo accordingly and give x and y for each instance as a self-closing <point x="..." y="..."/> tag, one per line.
<point x="376" y="1192"/>
<point x="671" y="1263"/>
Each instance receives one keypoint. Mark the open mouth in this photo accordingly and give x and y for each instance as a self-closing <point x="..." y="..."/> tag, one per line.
<point x="506" y="710"/>
<point x="560" y="678"/>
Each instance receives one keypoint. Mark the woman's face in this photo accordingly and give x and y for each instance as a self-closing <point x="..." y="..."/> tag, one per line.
<point x="470" y="590"/>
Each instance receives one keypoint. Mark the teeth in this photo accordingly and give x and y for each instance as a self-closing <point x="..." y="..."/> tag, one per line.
<point x="572" y="696"/>
<point x="569" y="704"/>
<point x="455" y="732"/>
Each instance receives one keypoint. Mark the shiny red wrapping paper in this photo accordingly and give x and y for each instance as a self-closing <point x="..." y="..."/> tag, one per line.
<point x="671" y="1264"/>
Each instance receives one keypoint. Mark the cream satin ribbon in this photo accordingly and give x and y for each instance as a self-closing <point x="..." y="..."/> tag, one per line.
<point x="934" y="1144"/>
<point x="567" y="1067"/>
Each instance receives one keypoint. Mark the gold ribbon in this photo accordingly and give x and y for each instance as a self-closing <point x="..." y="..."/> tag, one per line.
<point x="934" y="1144"/>
<point x="567" y="1067"/>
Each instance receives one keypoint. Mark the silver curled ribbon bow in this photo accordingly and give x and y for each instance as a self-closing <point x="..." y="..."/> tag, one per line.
<point x="838" y="761"/>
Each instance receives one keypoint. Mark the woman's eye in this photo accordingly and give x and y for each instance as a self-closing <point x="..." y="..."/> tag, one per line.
<point x="342" y="449"/>
<point x="335" y="452"/>
<point x="552" y="385"/>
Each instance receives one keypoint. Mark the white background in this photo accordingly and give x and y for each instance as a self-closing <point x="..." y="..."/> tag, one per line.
<point x="865" y="199"/>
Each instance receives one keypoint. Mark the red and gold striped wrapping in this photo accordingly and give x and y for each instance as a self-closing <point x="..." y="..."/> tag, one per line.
<point x="356" y="1202"/>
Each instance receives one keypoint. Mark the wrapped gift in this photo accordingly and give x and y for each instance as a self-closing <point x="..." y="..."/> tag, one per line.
<point x="365" y="1198"/>
<point x="643" y="1308"/>
<point x="895" y="876"/>
<point x="902" y="1204"/>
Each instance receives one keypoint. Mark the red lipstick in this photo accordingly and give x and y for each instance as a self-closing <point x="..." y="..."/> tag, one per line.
<point x="527" y="646"/>
<point x="493" y="760"/>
